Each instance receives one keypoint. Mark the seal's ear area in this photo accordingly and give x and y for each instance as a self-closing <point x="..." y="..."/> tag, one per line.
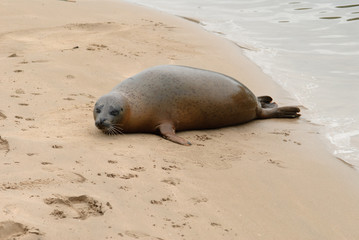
<point x="168" y="132"/>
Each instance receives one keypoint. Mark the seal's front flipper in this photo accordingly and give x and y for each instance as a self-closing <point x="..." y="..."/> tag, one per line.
<point x="168" y="132"/>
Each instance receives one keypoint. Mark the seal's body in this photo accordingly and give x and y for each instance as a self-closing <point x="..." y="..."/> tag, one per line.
<point x="176" y="98"/>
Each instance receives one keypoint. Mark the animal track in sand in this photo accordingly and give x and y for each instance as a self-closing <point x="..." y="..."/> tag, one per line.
<point x="172" y="181"/>
<point x="289" y="140"/>
<point x="68" y="99"/>
<point x="13" y="55"/>
<point x="27" y="184"/>
<point x="125" y="176"/>
<point x="138" y="169"/>
<point x="89" y="26"/>
<point x="72" y="177"/>
<point x="197" y="200"/>
<point x="285" y="133"/>
<point x="40" y="182"/>
<point x="275" y="163"/>
<point x="31" y="154"/>
<point x="78" y="207"/>
<point x="83" y="95"/>
<point x="137" y="235"/>
<point x="95" y="46"/>
<point x="13" y="230"/>
<point x="161" y="201"/>
<point x="112" y="161"/>
<point x="203" y="137"/>
<point x="69" y="76"/>
<point x="19" y="91"/>
<point x="4" y="145"/>
<point x="40" y="61"/>
<point x="170" y="168"/>
<point x="57" y="146"/>
<point x="213" y="224"/>
<point x="174" y="224"/>
<point x="2" y="116"/>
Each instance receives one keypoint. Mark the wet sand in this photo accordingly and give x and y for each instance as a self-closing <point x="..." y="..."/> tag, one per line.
<point x="61" y="178"/>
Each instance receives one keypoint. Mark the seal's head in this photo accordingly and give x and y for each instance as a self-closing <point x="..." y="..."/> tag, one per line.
<point x="109" y="113"/>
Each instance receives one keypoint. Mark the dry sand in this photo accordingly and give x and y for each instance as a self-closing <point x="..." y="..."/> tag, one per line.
<point x="61" y="178"/>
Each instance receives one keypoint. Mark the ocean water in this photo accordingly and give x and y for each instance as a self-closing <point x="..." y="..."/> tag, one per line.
<point x="311" y="48"/>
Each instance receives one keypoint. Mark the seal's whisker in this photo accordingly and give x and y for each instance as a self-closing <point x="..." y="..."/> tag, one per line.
<point x="118" y="130"/>
<point x="109" y="131"/>
<point x="118" y="126"/>
<point x="113" y="132"/>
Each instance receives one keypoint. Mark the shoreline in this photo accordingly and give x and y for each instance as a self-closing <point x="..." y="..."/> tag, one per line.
<point x="310" y="87"/>
<point x="268" y="179"/>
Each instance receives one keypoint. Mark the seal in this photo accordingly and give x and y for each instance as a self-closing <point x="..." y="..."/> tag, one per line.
<point x="165" y="99"/>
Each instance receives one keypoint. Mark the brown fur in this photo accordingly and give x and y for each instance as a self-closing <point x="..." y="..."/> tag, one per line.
<point x="176" y="98"/>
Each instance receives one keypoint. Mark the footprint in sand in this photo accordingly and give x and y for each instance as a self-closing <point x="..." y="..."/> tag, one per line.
<point x="4" y="145"/>
<point x="19" y="91"/>
<point x="69" y="99"/>
<point x="275" y="163"/>
<point x="112" y="161"/>
<point x="138" y="169"/>
<point x="161" y="201"/>
<point x="94" y="47"/>
<point x="125" y="176"/>
<point x="13" y="55"/>
<point x="138" y="235"/>
<point x="38" y="183"/>
<point x="12" y="230"/>
<point x="57" y="146"/>
<point x="197" y="200"/>
<point x="170" y="168"/>
<point x="202" y="138"/>
<point x="31" y="154"/>
<point x="71" y="177"/>
<point x="78" y="207"/>
<point x="2" y="116"/>
<point x="27" y="184"/>
<point x="172" y="181"/>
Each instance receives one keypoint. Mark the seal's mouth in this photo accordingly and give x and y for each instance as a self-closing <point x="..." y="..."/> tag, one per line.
<point x="111" y="129"/>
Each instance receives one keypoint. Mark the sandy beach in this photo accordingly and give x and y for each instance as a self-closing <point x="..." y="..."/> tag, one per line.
<point x="61" y="178"/>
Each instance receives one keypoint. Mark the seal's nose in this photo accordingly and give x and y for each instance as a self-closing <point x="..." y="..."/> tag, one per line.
<point x="100" y="123"/>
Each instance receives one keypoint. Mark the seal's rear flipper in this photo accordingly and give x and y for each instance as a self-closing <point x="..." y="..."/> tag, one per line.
<point x="167" y="131"/>
<point x="281" y="112"/>
<point x="266" y="102"/>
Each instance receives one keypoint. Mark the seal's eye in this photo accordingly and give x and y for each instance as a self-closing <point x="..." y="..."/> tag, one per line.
<point x="114" y="113"/>
<point x="98" y="110"/>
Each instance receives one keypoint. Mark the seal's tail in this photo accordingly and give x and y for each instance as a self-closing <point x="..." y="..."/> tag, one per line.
<point x="271" y="110"/>
<point x="279" y="112"/>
